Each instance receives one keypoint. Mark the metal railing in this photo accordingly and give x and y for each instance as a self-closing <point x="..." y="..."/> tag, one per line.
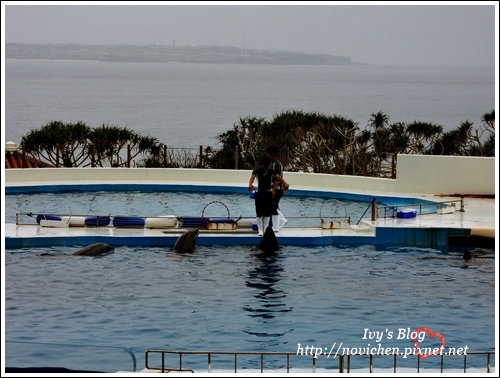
<point x="392" y="210"/>
<point x="344" y="361"/>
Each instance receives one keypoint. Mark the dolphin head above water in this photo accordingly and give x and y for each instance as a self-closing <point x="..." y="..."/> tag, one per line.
<point x="186" y="242"/>
<point x="467" y="255"/>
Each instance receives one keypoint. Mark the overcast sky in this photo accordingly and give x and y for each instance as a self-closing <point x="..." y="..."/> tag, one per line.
<point x="414" y="33"/>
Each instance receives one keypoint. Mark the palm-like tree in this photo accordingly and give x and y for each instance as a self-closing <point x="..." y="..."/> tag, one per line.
<point x="362" y="156"/>
<point x="58" y="142"/>
<point x="488" y="120"/>
<point x="454" y="142"/>
<point x="108" y="143"/>
<point x="290" y="130"/>
<point x="307" y="142"/>
<point x="379" y="121"/>
<point x="397" y="142"/>
<point x="484" y="147"/>
<point x="76" y="144"/>
<point x="250" y="137"/>
<point x="422" y="136"/>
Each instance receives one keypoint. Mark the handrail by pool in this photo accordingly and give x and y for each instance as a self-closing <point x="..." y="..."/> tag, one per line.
<point x="341" y="365"/>
<point x="394" y="208"/>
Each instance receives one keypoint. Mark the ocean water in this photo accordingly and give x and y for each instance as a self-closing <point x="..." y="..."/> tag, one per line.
<point x="188" y="105"/>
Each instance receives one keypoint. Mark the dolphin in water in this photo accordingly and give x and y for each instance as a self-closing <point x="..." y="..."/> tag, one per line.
<point x="478" y="253"/>
<point x="269" y="243"/>
<point x="96" y="249"/>
<point x="467" y="256"/>
<point x="186" y="241"/>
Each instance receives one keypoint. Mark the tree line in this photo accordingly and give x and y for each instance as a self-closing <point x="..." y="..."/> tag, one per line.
<point x="308" y="142"/>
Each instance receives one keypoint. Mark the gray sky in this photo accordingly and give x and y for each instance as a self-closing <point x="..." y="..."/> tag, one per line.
<point x="417" y="33"/>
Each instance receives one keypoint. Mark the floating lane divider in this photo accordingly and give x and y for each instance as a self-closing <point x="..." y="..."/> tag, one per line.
<point x="164" y="221"/>
<point x="97" y="221"/>
<point x="52" y="220"/>
<point x="245" y="223"/>
<point x="74" y="221"/>
<point x="121" y="221"/>
<point x="187" y="221"/>
<point x="154" y="222"/>
<point x="39" y="217"/>
<point x="209" y="223"/>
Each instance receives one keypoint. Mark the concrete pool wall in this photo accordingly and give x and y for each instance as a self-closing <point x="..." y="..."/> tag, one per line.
<point x="417" y="175"/>
<point x="421" y="179"/>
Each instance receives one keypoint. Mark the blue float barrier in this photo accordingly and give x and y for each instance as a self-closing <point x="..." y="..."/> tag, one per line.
<point x="195" y="222"/>
<point x="97" y="221"/>
<point x="120" y="221"/>
<point x="47" y="217"/>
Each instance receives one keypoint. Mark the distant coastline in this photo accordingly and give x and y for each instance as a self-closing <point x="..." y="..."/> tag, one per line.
<point x="170" y="53"/>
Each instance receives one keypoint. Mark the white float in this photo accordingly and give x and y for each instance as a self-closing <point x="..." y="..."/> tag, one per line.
<point x="245" y="223"/>
<point x="54" y="223"/>
<point x="164" y="221"/>
<point x="74" y="221"/>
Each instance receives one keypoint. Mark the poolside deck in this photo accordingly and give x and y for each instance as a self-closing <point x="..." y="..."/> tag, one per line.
<point x="475" y="227"/>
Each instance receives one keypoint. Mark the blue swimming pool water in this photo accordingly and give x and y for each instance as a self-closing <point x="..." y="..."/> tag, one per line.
<point x="179" y="203"/>
<point x="232" y="298"/>
<point x="237" y="299"/>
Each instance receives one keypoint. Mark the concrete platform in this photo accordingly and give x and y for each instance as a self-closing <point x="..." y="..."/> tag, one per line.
<point x="420" y="178"/>
<point x="477" y="221"/>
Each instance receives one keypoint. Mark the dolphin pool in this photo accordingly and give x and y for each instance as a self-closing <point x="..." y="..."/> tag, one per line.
<point x="179" y="203"/>
<point x="238" y="299"/>
<point x="234" y="298"/>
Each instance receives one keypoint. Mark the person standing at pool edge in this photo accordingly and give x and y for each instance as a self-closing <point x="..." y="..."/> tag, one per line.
<point x="272" y="153"/>
<point x="265" y="193"/>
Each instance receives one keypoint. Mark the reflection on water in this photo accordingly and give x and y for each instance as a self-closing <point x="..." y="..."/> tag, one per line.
<point x="268" y="303"/>
<point x="264" y="278"/>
